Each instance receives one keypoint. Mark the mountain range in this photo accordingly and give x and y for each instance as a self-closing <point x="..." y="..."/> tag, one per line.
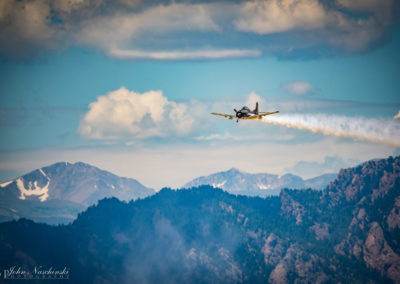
<point x="238" y="182"/>
<point x="57" y="193"/>
<point x="347" y="233"/>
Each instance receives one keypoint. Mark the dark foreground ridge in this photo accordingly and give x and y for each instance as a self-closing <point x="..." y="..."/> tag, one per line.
<point x="348" y="233"/>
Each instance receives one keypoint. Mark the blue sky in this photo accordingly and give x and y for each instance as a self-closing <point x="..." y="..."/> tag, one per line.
<point x="62" y="81"/>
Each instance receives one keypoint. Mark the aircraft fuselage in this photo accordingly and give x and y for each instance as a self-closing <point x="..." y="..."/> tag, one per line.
<point x="244" y="112"/>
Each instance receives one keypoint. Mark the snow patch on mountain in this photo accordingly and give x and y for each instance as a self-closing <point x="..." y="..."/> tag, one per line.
<point x="6" y="183"/>
<point x="41" y="192"/>
<point x="44" y="174"/>
<point x="263" y="186"/>
<point x="219" y="185"/>
<point x="34" y="189"/>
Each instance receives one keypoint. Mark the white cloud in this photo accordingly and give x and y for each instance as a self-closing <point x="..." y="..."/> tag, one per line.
<point x="217" y="136"/>
<point x="397" y="115"/>
<point x="253" y="98"/>
<point x="298" y="87"/>
<point x="124" y="114"/>
<point x="184" y="54"/>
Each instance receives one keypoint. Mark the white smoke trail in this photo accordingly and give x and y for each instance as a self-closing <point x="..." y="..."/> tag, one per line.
<point x="382" y="131"/>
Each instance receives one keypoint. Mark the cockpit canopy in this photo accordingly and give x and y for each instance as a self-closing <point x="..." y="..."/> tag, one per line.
<point x="245" y="108"/>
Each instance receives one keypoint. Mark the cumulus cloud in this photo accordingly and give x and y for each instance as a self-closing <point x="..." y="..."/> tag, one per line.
<point x="127" y="115"/>
<point x="397" y="115"/>
<point x="298" y="87"/>
<point x="253" y="98"/>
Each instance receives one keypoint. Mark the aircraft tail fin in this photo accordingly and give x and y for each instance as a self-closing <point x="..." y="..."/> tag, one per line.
<point x="256" y="109"/>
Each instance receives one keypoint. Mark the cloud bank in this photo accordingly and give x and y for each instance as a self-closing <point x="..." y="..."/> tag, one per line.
<point x="382" y="131"/>
<point x="189" y="30"/>
<point x="127" y="115"/>
<point x="334" y="24"/>
<point x="182" y="54"/>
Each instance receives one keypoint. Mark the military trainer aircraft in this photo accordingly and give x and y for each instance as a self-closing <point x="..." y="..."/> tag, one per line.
<point x="246" y="113"/>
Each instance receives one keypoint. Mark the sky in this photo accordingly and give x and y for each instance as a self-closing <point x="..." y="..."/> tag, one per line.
<point x="128" y="86"/>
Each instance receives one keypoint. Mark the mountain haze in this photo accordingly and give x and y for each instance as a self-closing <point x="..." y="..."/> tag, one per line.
<point x="57" y="193"/>
<point x="348" y="233"/>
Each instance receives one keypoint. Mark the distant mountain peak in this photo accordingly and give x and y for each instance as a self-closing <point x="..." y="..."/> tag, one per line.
<point x="234" y="170"/>
<point x="68" y="164"/>
<point x="260" y="184"/>
<point x="69" y="185"/>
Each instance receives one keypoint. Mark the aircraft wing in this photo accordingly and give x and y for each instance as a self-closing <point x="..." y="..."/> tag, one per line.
<point x="259" y="115"/>
<point x="230" y="116"/>
<point x="267" y="113"/>
<point x="251" y="117"/>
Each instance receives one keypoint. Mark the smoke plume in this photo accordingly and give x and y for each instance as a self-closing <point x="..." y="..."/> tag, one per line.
<point x="382" y="131"/>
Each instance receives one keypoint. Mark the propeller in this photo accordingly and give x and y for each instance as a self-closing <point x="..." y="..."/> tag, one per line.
<point x="238" y="114"/>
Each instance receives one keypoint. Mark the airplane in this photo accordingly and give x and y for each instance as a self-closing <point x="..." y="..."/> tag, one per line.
<point x="246" y="113"/>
